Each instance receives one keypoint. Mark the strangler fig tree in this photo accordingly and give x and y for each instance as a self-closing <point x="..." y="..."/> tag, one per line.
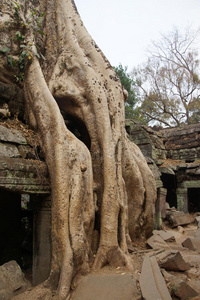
<point x="75" y="103"/>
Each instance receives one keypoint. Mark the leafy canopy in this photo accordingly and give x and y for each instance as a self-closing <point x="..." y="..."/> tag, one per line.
<point x="169" y="82"/>
<point x="128" y="83"/>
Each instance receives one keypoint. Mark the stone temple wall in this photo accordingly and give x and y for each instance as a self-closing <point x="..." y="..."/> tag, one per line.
<point x="25" y="227"/>
<point x="150" y="142"/>
<point x="182" y="143"/>
<point x="173" y="155"/>
<point x="176" y="154"/>
<point x="21" y="170"/>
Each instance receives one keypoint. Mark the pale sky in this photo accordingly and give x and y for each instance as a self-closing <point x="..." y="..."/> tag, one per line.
<point x="124" y="29"/>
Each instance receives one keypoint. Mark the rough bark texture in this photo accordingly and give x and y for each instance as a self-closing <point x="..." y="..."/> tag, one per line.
<point x="99" y="179"/>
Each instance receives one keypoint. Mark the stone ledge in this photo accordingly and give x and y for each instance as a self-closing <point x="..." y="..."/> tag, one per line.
<point x="23" y="175"/>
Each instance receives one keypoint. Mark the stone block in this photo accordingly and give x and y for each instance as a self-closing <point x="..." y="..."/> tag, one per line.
<point x="192" y="259"/>
<point x="172" y="261"/>
<point x="192" y="243"/>
<point x="156" y="242"/>
<point x="177" y="218"/>
<point x="109" y="287"/>
<point x="197" y="220"/>
<point x="165" y="235"/>
<point x="161" y="202"/>
<point x="184" y="291"/>
<point x="193" y="273"/>
<point x="8" y="150"/>
<point x="179" y="237"/>
<point x="195" y="284"/>
<point x="12" y="280"/>
<point x="197" y="233"/>
<point x="180" y="229"/>
<point x="190" y="230"/>
<point x="11" y="135"/>
<point x="152" y="283"/>
<point x="41" y="206"/>
<point x="24" y="175"/>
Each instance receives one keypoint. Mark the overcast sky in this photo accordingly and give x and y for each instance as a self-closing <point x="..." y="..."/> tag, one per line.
<point x="124" y="29"/>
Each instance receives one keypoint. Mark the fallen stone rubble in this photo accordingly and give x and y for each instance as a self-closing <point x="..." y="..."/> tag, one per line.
<point x="176" y="255"/>
<point x="167" y="267"/>
<point x="12" y="280"/>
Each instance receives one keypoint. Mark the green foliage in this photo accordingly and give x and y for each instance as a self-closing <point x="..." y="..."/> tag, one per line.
<point x="34" y="25"/>
<point x="128" y="83"/>
<point x="5" y="50"/>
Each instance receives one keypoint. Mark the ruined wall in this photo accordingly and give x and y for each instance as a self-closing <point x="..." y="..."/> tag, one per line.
<point x="23" y="172"/>
<point x="21" y="169"/>
<point x="182" y="143"/>
<point x="176" y="153"/>
<point x="149" y="141"/>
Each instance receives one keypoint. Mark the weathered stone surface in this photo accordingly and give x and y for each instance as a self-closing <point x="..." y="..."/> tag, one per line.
<point x="152" y="283"/>
<point x="183" y="290"/>
<point x="177" y="218"/>
<point x="166" y="170"/>
<point x="192" y="243"/>
<point x="160" y="210"/>
<point x="8" y="150"/>
<point x="149" y="141"/>
<point x="156" y="242"/>
<point x="182" y="143"/>
<point x="165" y="235"/>
<point x="197" y="221"/>
<point x="23" y="175"/>
<point x="197" y="233"/>
<point x="109" y="287"/>
<point x="12" y="280"/>
<point x="180" y="229"/>
<point x="172" y="261"/>
<point x="41" y="239"/>
<point x="166" y="275"/>
<point x="193" y="273"/>
<point x="190" y="230"/>
<point x="192" y="259"/>
<point x="195" y="284"/>
<point x="179" y="138"/>
<point x="12" y="136"/>
<point x="182" y="287"/>
<point x="39" y="293"/>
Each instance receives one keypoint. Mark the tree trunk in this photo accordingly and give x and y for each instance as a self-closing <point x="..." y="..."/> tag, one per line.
<point x="99" y="179"/>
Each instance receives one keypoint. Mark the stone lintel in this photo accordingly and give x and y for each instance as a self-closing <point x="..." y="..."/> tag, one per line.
<point x="189" y="184"/>
<point x="24" y="176"/>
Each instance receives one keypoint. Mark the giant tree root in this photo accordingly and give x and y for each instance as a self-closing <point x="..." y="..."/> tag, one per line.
<point x="107" y="172"/>
<point x="114" y="257"/>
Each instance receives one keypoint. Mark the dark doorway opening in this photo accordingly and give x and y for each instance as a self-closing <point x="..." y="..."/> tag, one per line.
<point x="27" y="236"/>
<point x="16" y="230"/>
<point x="194" y="200"/>
<point x="169" y="183"/>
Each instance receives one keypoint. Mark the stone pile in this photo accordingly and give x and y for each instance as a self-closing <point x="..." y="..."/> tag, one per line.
<point x="175" y="255"/>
